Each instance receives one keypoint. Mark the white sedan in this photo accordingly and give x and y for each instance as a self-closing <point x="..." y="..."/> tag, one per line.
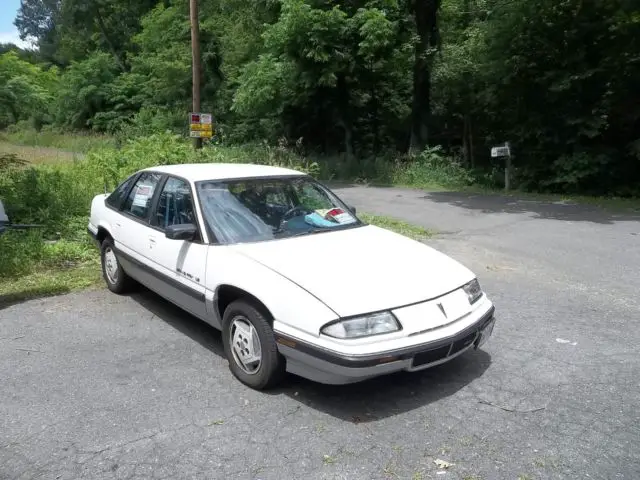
<point x="292" y="277"/>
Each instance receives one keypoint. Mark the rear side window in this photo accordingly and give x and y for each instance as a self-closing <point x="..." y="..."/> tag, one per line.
<point x="118" y="195"/>
<point x="139" y="200"/>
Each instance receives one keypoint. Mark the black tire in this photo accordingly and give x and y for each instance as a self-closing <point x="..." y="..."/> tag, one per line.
<point x="122" y="283"/>
<point x="271" y="369"/>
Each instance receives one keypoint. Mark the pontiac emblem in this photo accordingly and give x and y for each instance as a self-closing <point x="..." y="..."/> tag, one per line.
<point x="442" y="310"/>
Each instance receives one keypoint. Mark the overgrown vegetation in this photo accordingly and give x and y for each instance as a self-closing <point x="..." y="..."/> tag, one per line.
<point x="60" y="257"/>
<point x="381" y="91"/>
<point x="365" y="81"/>
<point x="22" y="133"/>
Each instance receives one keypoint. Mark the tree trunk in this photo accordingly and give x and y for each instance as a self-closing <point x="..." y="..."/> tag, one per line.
<point x="465" y="140"/>
<point x="375" y="127"/>
<point x="425" y="13"/>
<point x="344" y="119"/>
<point x="472" y="157"/>
<point x="468" y="95"/>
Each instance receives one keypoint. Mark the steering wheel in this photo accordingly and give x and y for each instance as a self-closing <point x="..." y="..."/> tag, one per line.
<point x="290" y="213"/>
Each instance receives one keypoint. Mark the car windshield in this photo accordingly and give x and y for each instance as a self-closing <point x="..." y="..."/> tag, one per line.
<point x="267" y="209"/>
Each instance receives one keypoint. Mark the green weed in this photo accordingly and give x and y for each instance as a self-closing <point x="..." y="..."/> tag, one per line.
<point x="79" y="142"/>
<point x="49" y="281"/>
<point x="398" y="226"/>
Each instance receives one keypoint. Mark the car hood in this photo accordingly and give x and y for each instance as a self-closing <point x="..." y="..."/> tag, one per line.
<point x="361" y="270"/>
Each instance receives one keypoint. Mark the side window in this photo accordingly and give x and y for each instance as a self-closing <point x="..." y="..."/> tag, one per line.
<point x="117" y="196"/>
<point x="139" y="199"/>
<point x="175" y="206"/>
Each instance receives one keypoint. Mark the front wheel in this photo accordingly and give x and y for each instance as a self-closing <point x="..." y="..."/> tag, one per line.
<point x="250" y="346"/>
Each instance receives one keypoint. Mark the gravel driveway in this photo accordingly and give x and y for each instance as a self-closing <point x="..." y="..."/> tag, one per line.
<point x="96" y="386"/>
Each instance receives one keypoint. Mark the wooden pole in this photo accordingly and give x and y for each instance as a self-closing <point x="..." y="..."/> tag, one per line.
<point x="195" y="62"/>
<point x="507" y="170"/>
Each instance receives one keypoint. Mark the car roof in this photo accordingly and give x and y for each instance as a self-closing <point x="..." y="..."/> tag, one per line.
<point x="196" y="172"/>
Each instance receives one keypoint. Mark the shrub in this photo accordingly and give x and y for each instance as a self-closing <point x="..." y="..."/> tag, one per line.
<point x="19" y="252"/>
<point x="431" y="168"/>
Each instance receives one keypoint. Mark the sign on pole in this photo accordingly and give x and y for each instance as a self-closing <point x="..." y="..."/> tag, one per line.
<point x="200" y="125"/>
<point x="504" y="151"/>
<point x="501" y="151"/>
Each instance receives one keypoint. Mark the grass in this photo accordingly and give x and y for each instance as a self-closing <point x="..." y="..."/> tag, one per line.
<point x="398" y="226"/>
<point x="31" y="267"/>
<point x="78" y="142"/>
<point x="47" y="282"/>
<point x="38" y="155"/>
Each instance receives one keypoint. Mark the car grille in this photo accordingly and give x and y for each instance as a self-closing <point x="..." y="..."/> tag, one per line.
<point x="455" y="346"/>
<point x="430" y="356"/>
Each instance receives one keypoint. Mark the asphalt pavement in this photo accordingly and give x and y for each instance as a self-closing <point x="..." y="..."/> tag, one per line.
<point x="98" y="386"/>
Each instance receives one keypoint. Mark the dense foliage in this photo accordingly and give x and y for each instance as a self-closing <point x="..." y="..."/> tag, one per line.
<point x="58" y="196"/>
<point x="362" y="79"/>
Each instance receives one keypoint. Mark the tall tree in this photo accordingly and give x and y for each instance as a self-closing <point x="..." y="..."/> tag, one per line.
<point x="426" y="18"/>
<point x="37" y="20"/>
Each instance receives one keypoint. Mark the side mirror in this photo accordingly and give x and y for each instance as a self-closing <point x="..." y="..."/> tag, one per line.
<point x="185" y="231"/>
<point x="353" y="209"/>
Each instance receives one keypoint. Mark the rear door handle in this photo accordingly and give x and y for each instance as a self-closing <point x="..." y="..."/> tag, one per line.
<point x="152" y="242"/>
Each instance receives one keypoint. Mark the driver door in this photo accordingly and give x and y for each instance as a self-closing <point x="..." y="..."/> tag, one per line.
<point x="181" y="264"/>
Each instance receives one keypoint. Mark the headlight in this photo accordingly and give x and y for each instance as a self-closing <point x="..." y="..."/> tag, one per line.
<point x="473" y="291"/>
<point x="364" y="326"/>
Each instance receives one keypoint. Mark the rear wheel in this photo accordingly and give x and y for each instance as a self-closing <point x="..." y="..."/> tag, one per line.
<point x="250" y="346"/>
<point x="114" y="275"/>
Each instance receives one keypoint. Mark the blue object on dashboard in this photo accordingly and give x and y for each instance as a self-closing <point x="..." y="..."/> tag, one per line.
<point x="318" y="220"/>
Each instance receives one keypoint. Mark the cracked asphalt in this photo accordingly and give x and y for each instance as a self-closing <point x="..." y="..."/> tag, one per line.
<point x="97" y="386"/>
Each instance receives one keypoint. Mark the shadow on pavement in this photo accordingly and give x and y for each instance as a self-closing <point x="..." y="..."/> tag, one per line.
<point x="388" y="395"/>
<point x="185" y="323"/>
<point x="541" y="209"/>
<point x="29" y="294"/>
<point x="363" y="402"/>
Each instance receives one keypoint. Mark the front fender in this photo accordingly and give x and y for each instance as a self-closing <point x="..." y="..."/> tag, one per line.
<point x="293" y="308"/>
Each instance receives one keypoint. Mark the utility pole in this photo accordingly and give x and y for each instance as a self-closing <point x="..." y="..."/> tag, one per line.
<point x="195" y="62"/>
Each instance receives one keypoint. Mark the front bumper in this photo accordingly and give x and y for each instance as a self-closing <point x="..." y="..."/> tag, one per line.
<point x="323" y="366"/>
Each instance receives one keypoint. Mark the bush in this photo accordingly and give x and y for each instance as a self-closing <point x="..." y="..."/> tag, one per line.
<point x="149" y="121"/>
<point x="59" y="195"/>
<point x="431" y="168"/>
<point x="50" y="194"/>
<point x="20" y="252"/>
